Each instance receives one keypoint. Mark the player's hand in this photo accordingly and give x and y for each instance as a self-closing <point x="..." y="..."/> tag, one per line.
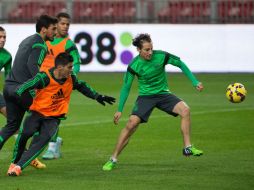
<point x="117" y="116"/>
<point x="200" y="87"/>
<point x="103" y="98"/>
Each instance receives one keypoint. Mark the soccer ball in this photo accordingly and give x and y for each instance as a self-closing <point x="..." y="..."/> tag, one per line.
<point x="236" y="92"/>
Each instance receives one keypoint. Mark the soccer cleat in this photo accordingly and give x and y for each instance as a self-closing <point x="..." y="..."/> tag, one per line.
<point x="59" y="142"/>
<point x="191" y="150"/>
<point x="54" y="153"/>
<point x="10" y="168"/>
<point x="49" y="155"/>
<point x="110" y="165"/>
<point x="16" y="171"/>
<point x="37" y="164"/>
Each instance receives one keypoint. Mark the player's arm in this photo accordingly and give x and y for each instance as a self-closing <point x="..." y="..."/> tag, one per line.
<point x="36" y="58"/>
<point x="39" y="81"/>
<point x="176" y="61"/>
<point x="124" y="93"/>
<point x="7" y="67"/>
<point x="73" y="51"/>
<point x="88" y="91"/>
<point x="125" y="90"/>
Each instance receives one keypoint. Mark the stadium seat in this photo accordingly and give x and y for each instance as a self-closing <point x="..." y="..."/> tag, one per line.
<point x="235" y="11"/>
<point x="28" y="11"/>
<point x="185" y="12"/>
<point x="104" y="11"/>
<point x="124" y="11"/>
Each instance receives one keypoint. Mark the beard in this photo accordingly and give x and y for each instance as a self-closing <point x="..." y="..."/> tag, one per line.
<point x="49" y="39"/>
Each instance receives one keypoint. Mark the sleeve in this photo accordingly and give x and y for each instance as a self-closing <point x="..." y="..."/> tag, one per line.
<point x="125" y="90"/>
<point x="176" y="61"/>
<point x="73" y="51"/>
<point x="39" y="81"/>
<point x="83" y="87"/>
<point x="36" y="58"/>
<point x="7" y="67"/>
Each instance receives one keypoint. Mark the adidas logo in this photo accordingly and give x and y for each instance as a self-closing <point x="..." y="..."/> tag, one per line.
<point x="58" y="95"/>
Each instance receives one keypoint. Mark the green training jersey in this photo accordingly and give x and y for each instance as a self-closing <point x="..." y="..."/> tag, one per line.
<point x="151" y="75"/>
<point x="5" y="61"/>
<point x="71" y="48"/>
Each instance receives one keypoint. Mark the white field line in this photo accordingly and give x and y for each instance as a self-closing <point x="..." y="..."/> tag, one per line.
<point x="156" y="116"/>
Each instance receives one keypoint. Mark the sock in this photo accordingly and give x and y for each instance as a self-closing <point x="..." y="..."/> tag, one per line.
<point x="188" y="146"/>
<point x="113" y="159"/>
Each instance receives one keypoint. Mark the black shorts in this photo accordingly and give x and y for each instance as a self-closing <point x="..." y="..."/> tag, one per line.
<point x="145" y="104"/>
<point x="2" y="101"/>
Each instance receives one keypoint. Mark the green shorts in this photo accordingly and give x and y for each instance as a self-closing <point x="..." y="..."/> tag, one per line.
<point x="145" y="104"/>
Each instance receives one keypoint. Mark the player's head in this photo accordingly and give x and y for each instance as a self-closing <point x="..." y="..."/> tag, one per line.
<point x="63" y="24"/>
<point x="144" y="46"/>
<point x="46" y="26"/>
<point x="2" y="37"/>
<point x="64" y="64"/>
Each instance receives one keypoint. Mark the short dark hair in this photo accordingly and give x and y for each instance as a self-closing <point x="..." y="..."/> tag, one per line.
<point x="45" y="21"/>
<point x="63" y="15"/>
<point x="140" y="39"/>
<point x="63" y="59"/>
<point x="2" y="29"/>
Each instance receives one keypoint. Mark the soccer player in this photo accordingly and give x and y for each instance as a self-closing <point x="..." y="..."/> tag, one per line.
<point x="61" y="43"/>
<point x="149" y="67"/>
<point x="49" y="106"/>
<point x="29" y="57"/>
<point x="5" y="62"/>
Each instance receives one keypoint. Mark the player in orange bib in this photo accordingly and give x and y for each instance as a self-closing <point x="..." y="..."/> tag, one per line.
<point x="50" y="105"/>
<point x="61" y="43"/>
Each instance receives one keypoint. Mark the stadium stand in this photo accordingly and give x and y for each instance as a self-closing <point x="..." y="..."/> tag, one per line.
<point x="104" y="11"/>
<point x="185" y="12"/>
<point x="27" y="11"/>
<point x="236" y="11"/>
<point x="131" y="11"/>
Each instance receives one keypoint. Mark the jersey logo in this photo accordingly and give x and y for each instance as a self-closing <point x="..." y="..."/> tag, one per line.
<point x="58" y="95"/>
<point x="51" y="52"/>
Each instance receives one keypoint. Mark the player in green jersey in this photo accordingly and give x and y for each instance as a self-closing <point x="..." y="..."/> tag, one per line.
<point x="149" y="67"/>
<point x="5" y="62"/>
<point x="61" y="43"/>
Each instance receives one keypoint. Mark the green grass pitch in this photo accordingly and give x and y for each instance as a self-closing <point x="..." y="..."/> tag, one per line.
<point x="153" y="159"/>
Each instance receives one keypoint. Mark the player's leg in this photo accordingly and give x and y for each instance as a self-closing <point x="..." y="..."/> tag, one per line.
<point x="125" y="135"/>
<point x="48" y="129"/>
<point x="123" y="140"/>
<point x="30" y="126"/>
<point x="15" y="112"/>
<point x="15" y="115"/>
<point x="141" y="112"/>
<point x="183" y="110"/>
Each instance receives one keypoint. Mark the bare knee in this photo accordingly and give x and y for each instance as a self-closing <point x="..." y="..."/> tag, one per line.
<point x="182" y="109"/>
<point x="132" y="123"/>
<point x="185" y="112"/>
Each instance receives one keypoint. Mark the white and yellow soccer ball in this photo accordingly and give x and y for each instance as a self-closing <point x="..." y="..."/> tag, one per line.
<point x="236" y="92"/>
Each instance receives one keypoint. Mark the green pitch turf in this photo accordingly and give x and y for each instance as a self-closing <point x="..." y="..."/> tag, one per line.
<point x="153" y="159"/>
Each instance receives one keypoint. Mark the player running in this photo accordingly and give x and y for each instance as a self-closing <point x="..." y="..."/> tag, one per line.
<point x="49" y="106"/>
